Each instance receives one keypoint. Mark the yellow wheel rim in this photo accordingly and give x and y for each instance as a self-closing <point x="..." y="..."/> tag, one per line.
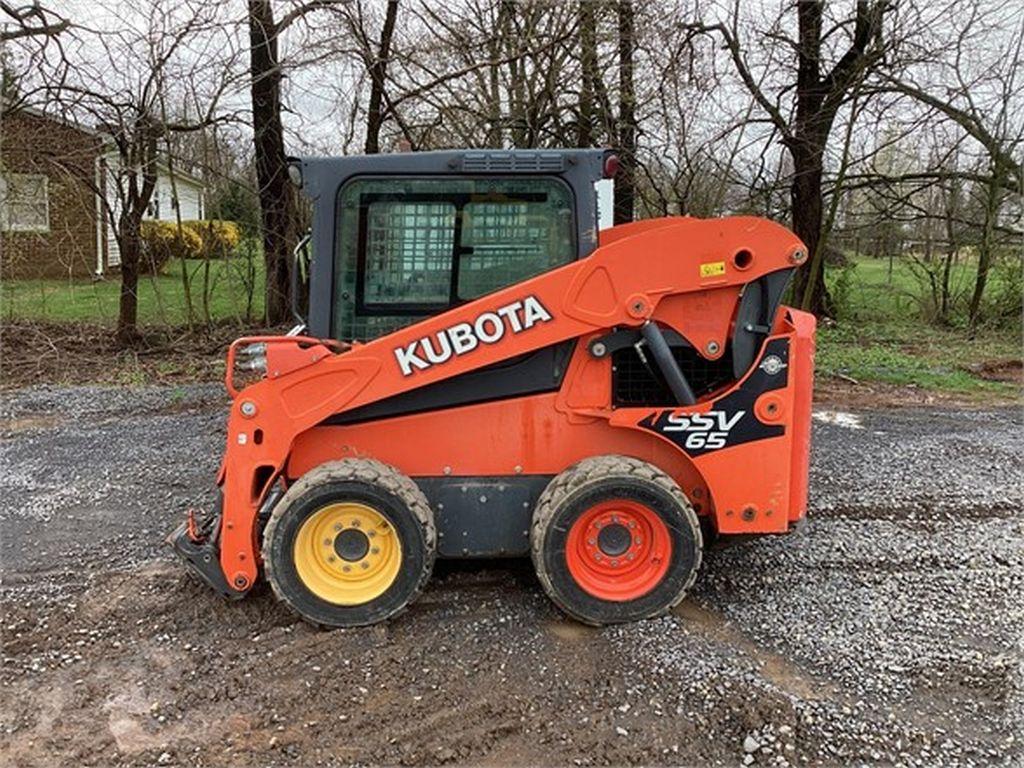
<point x="347" y="553"/>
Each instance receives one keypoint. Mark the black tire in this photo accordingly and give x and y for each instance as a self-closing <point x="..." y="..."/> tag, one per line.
<point x="577" y="490"/>
<point x="377" y="485"/>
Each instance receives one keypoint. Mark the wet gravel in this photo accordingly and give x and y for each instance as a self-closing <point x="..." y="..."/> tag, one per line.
<point x="887" y="631"/>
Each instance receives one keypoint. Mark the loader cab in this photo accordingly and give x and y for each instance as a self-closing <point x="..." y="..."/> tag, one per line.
<point x="400" y="237"/>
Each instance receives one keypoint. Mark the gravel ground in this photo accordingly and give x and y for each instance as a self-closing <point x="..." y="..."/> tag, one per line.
<point x="887" y="631"/>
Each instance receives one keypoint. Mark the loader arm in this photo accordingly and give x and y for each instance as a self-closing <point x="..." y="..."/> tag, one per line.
<point x="621" y="284"/>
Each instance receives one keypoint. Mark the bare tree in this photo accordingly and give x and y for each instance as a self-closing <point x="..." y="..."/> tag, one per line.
<point x="819" y="90"/>
<point x="30" y="20"/>
<point x="277" y="197"/>
<point x="983" y="101"/>
<point x="117" y="83"/>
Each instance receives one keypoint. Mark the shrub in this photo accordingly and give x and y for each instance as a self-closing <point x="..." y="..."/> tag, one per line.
<point x="165" y="240"/>
<point x="1003" y="305"/>
<point x="219" y="238"/>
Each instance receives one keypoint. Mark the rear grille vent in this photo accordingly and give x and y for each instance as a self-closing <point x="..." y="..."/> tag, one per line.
<point x="634" y="384"/>
<point x="509" y="162"/>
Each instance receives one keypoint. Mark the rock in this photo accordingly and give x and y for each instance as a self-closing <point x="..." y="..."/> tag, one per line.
<point x="750" y="744"/>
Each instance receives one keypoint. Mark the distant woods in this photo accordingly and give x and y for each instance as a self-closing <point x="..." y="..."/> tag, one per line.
<point x="876" y="129"/>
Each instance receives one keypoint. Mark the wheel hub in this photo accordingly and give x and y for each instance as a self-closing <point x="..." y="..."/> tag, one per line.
<point x="347" y="553"/>
<point x="618" y="550"/>
<point x="351" y="545"/>
<point x="614" y="539"/>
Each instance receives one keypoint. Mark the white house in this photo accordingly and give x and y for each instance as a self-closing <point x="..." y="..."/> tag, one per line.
<point x="178" y="195"/>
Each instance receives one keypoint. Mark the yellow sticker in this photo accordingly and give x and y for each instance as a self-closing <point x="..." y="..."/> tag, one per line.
<point x="712" y="269"/>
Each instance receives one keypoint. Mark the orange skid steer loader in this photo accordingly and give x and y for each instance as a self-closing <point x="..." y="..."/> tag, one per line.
<point x="482" y="373"/>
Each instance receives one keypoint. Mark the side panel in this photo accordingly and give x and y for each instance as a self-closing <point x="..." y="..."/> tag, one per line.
<point x="737" y="457"/>
<point x="803" y="375"/>
<point x="483" y="516"/>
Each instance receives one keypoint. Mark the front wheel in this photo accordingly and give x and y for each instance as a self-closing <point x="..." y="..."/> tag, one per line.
<point x="351" y="543"/>
<point x="614" y="539"/>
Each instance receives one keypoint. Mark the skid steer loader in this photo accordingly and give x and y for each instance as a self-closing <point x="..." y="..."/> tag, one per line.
<point x="483" y="373"/>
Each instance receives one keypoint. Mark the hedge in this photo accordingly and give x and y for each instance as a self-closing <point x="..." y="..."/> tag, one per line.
<point x="165" y="240"/>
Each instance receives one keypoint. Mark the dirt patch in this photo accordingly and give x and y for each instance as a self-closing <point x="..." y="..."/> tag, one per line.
<point x="1011" y="371"/>
<point x="29" y="423"/>
<point x="849" y="394"/>
<point x="76" y="353"/>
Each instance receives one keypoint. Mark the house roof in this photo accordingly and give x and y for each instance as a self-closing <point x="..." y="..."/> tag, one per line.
<point x="162" y="165"/>
<point x="59" y="119"/>
<point x="164" y="169"/>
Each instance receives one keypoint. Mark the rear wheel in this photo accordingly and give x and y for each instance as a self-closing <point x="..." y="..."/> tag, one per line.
<point x="614" y="539"/>
<point x="351" y="543"/>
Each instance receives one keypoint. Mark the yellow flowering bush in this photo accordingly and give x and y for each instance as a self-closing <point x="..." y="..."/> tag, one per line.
<point x="219" y="238"/>
<point x="165" y="240"/>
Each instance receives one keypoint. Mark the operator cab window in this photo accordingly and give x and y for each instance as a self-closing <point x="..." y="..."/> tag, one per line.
<point x="411" y="248"/>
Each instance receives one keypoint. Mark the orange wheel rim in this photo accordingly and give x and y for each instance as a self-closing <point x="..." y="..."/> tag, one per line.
<point x="618" y="550"/>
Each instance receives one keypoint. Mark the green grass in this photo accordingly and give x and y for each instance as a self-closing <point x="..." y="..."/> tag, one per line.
<point x="884" y="332"/>
<point x="914" y="354"/>
<point x="161" y="297"/>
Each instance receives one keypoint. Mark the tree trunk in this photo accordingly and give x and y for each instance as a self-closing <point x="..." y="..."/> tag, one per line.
<point x="986" y="246"/>
<point x="807" y="148"/>
<point x="277" y="203"/>
<point x="142" y="154"/>
<point x="625" y="181"/>
<point x="809" y="290"/>
<point x="128" y="307"/>
<point x="378" y="72"/>
<point x="588" y="70"/>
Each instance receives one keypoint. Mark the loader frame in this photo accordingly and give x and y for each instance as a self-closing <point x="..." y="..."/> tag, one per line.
<point x="740" y="453"/>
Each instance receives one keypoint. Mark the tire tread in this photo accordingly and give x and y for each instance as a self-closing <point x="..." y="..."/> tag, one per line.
<point x="371" y="472"/>
<point x="577" y="477"/>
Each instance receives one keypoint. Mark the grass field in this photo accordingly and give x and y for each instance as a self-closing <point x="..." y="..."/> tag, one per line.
<point x="234" y="290"/>
<point x="881" y="335"/>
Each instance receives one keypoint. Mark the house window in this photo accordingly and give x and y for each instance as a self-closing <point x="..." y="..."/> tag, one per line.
<point x="24" y="202"/>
